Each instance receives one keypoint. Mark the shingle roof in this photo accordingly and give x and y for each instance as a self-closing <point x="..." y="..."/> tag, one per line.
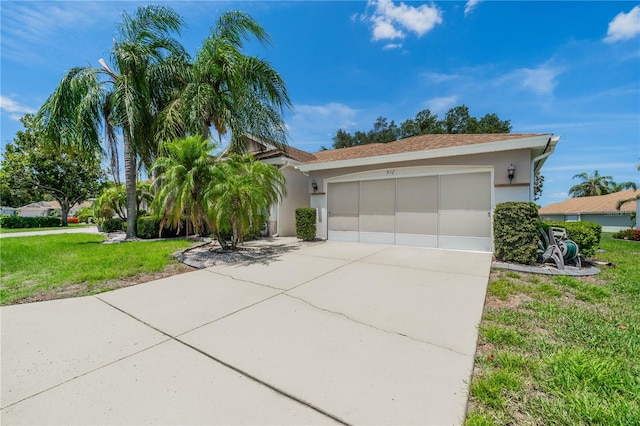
<point x="412" y="144"/>
<point x="289" y="151"/>
<point x="595" y="204"/>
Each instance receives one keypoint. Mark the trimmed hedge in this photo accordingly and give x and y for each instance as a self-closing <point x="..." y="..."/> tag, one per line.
<point x="306" y="223"/>
<point x="585" y="234"/>
<point x="13" y="222"/>
<point x="515" y="229"/>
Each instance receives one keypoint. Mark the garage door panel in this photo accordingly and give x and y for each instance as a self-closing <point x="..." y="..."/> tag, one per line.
<point x="464" y="243"/>
<point x="417" y="240"/>
<point x="346" y="236"/>
<point x="418" y="194"/>
<point x="469" y="191"/>
<point x="463" y="223"/>
<point x="378" y="237"/>
<point x="343" y="197"/>
<point x="343" y="222"/>
<point x="417" y="223"/>
<point x="378" y="196"/>
<point x="378" y="222"/>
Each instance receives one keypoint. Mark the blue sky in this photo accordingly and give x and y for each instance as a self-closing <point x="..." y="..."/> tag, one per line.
<point x="568" y="68"/>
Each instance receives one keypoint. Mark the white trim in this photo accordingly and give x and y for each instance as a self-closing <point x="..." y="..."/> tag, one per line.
<point x="478" y="148"/>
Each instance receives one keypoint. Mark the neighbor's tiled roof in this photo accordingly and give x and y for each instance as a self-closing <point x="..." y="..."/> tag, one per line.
<point x="413" y="144"/>
<point x="595" y="204"/>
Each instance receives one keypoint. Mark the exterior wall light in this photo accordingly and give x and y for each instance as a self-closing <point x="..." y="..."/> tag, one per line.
<point x="511" y="171"/>
<point x="314" y="185"/>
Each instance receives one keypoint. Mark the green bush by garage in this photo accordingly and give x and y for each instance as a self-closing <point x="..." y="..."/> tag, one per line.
<point x="515" y="229"/>
<point x="306" y="223"/>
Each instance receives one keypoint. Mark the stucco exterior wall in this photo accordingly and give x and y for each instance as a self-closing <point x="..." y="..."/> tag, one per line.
<point x="500" y="161"/>
<point x="297" y="196"/>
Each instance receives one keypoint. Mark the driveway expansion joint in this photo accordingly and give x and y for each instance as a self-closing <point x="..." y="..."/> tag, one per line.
<point x="246" y="281"/>
<point x="86" y="373"/>
<point x="182" y="342"/>
<point x="373" y="326"/>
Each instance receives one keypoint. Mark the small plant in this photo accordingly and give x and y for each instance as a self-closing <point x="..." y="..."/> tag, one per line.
<point x="84" y="214"/>
<point x="111" y="225"/>
<point x="306" y="223"/>
<point x="585" y="234"/>
<point x="628" y="234"/>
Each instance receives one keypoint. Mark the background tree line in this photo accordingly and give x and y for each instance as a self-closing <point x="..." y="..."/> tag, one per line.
<point x="457" y="120"/>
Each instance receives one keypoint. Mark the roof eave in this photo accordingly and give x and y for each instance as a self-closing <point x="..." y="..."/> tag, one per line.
<point x="538" y="141"/>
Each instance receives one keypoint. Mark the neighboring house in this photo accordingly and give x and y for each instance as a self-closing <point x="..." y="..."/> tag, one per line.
<point x="47" y="208"/>
<point x="40" y="208"/>
<point x="428" y="190"/>
<point x="8" y="211"/>
<point x="600" y="209"/>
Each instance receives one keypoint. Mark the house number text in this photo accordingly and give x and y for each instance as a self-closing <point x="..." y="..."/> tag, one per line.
<point x="391" y="172"/>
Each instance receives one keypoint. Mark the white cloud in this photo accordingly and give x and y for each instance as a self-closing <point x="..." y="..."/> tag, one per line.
<point x="28" y="27"/>
<point x="15" y="110"/>
<point x="392" y="46"/>
<point x="624" y="26"/>
<point x="559" y="195"/>
<point x="441" y="104"/>
<point x="439" y="77"/>
<point x="390" y="21"/>
<point x="541" y="80"/>
<point x="383" y="30"/>
<point x="471" y="4"/>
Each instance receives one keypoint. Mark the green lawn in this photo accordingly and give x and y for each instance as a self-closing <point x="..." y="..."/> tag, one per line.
<point x="52" y="266"/>
<point x="561" y="350"/>
<point x="14" y="230"/>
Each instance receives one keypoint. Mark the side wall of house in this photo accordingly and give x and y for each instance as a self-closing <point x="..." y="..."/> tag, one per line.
<point x="297" y="196"/>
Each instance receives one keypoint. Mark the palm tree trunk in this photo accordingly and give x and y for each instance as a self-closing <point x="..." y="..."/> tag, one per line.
<point x="130" y="177"/>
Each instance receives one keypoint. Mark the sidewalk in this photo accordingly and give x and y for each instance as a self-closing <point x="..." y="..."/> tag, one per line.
<point x="78" y="230"/>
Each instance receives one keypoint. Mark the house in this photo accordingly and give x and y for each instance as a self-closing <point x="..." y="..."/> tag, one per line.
<point x="7" y="211"/>
<point x="40" y="208"/>
<point x="47" y="208"/>
<point x="427" y="190"/>
<point x="602" y="209"/>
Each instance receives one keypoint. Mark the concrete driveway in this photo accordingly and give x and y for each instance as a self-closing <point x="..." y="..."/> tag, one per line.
<point x="328" y="333"/>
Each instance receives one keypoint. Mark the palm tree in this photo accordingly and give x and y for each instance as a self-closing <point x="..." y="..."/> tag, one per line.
<point x="592" y="185"/>
<point x="617" y="187"/>
<point x="224" y="88"/>
<point x="240" y="194"/>
<point x="125" y="97"/>
<point x="183" y="175"/>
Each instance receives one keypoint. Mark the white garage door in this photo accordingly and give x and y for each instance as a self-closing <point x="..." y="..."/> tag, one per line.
<point x="446" y="211"/>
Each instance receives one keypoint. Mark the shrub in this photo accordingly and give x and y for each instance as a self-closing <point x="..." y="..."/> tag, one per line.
<point x="306" y="223"/>
<point x="628" y="234"/>
<point x="149" y="226"/>
<point x="13" y="222"/>
<point x="84" y="214"/>
<point x="111" y="225"/>
<point x="515" y="227"/>
<point x="585" y="234"/>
